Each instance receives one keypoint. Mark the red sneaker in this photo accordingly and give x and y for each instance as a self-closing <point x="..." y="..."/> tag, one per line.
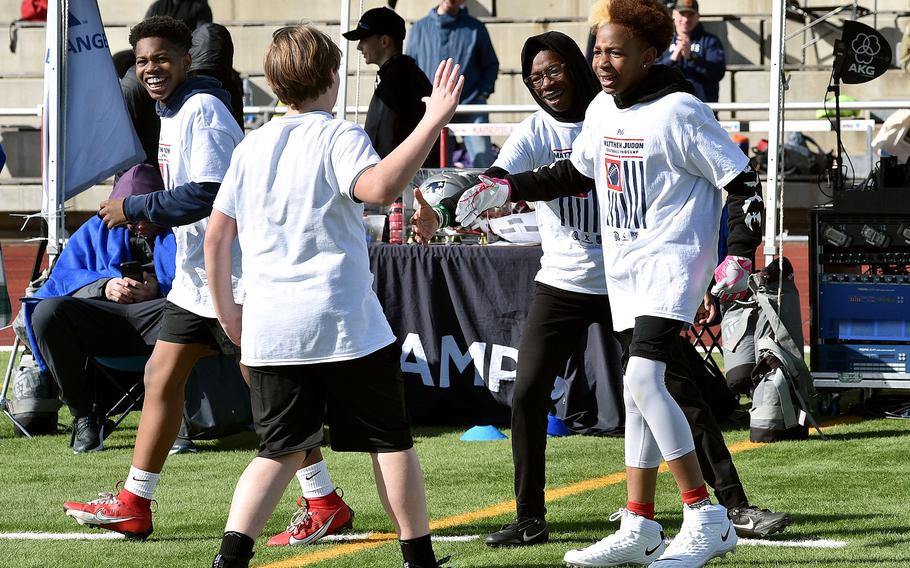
<point x="315" y="519"/>
<point x="124" y="513"/>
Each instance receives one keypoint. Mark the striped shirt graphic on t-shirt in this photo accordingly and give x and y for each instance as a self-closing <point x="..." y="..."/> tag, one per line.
<point x="624" y="168"/>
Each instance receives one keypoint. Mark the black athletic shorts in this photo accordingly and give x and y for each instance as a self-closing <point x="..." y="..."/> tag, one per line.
<point x="652" y="338"/>
<point x="185" y="327"/>
<point x="361" y="400"/>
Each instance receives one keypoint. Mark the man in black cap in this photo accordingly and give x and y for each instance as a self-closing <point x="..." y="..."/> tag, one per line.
<point x="698" y="54"/>
<point x="396" y="106"/>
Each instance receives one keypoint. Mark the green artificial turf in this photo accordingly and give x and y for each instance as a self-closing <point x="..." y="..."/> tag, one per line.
<point x="854" y="488"/>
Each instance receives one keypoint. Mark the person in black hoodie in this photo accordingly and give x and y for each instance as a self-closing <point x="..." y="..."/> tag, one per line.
<point x="213" y="56"/>
<point x="198" y="136"/>
<point x="193" y="13"/>
<point x="656" y="157"/>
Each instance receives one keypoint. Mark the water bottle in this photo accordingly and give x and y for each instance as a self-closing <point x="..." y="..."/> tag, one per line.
<point x="396" y="222"/>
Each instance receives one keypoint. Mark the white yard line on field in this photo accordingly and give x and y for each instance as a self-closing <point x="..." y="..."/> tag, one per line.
<point x="811" y="543"/>
<point x="817" y="543"/>
<point x="61" y="536"/>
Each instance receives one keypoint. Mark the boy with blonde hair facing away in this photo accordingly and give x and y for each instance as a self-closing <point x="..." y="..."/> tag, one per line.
<point x="312" y="330"/>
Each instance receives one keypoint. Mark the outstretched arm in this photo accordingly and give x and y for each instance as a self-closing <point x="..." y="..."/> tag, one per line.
<point x="559" y="179"/>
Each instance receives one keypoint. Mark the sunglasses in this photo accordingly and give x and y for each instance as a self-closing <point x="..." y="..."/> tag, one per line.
<point x="553" y="73"/>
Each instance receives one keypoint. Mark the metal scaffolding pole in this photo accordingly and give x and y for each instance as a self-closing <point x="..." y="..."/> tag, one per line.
<point x="776" y="118"/>
<point x="344" y="25"/>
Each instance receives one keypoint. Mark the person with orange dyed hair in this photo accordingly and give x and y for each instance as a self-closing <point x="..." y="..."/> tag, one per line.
<point x="657" y="158"/>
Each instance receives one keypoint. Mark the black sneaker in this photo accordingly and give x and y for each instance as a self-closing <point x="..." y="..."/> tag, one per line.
<point x="752" y="522"/>
<point x="86" y="435"/>
<point x="524" y="531"/>
<point x="436" y="564"/>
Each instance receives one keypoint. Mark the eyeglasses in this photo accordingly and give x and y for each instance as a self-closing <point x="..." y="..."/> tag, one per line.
<point x="553" y="73"/>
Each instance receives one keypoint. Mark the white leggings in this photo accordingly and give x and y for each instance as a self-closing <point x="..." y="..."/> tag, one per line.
<point x="655" y="425"/>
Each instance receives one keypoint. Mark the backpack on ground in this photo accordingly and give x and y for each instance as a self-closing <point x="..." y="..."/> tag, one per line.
<point x="802" y="155"/>
<point x="34" y="404"/>
<point x="783" y="384"/>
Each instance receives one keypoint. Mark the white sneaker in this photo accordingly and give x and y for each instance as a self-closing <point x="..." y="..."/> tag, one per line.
<point x="706" y="533"/>
<point x="638" y="541"/>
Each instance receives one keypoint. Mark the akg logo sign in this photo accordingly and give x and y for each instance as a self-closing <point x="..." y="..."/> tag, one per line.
<point x="865" y="48"/>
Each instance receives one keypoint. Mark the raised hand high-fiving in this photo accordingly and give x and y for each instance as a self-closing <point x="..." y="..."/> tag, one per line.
<point x="447" y="85"/>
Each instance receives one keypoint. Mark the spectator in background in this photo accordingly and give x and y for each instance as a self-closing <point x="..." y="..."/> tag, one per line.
<point x="397" y="105"/>
<point x="905" y="49"/>
<point x="448" y="31"/>
<point x="698" y="54"/>
<point x="193" y="13"/>
<point x="123" y="60"/>
<point x="213" y="56"/>
<point x="90" y="309"/>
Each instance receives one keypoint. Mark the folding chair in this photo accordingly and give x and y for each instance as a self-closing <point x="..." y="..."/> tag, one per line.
<point x="131" y="396"/>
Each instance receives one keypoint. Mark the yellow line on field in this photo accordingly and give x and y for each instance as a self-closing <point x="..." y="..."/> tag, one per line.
<point x="373" y="541"/>
<point x="378" y="539"/>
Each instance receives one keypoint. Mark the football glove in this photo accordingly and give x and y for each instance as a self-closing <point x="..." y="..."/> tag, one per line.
<point x="732" y="279"/>
<point x="489" y="193"/>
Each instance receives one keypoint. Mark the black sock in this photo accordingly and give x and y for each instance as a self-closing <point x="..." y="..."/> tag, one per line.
<point x="418" y="552"/>
<point x="236" y="551"/>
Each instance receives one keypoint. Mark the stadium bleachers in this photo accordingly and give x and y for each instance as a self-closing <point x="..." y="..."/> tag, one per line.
<point x="742" y="24"/>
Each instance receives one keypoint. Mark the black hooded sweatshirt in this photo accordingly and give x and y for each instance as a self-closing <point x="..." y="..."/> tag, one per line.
<point x="580" y="74"/>
<point x="213" y="56"/>
<point x="583" y="80"/>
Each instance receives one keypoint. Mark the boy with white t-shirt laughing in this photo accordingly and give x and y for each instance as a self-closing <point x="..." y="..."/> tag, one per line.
<point x="312" y="330"/>
<point x="198" y="135"/>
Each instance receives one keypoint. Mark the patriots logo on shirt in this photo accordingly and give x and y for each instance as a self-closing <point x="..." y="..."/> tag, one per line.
<point x="614" y="177"/>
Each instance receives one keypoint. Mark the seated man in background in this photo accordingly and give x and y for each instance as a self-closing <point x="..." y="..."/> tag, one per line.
<point x="89" y="308"/>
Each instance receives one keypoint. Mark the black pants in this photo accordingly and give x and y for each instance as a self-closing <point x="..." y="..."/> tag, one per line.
<point x="68" y="329"/>
<point x="556" y="321"/>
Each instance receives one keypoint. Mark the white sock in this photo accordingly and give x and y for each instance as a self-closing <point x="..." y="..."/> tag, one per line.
<point x="141" y="483"/>
<point x="315" y="481"/>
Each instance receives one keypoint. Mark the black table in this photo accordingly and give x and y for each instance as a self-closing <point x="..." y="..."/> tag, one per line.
<point x="458" y="311"/>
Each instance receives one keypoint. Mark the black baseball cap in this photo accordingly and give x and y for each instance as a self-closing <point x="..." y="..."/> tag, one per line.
<point x="685" y="5"/>
<point x="378" y="21"/>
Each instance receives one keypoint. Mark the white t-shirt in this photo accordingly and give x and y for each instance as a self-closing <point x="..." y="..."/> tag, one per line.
<point x="658" y="166"/>
<point x="196" y="145"/>
<point x="569" y="226"/>
<point x="309" y="294"/>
